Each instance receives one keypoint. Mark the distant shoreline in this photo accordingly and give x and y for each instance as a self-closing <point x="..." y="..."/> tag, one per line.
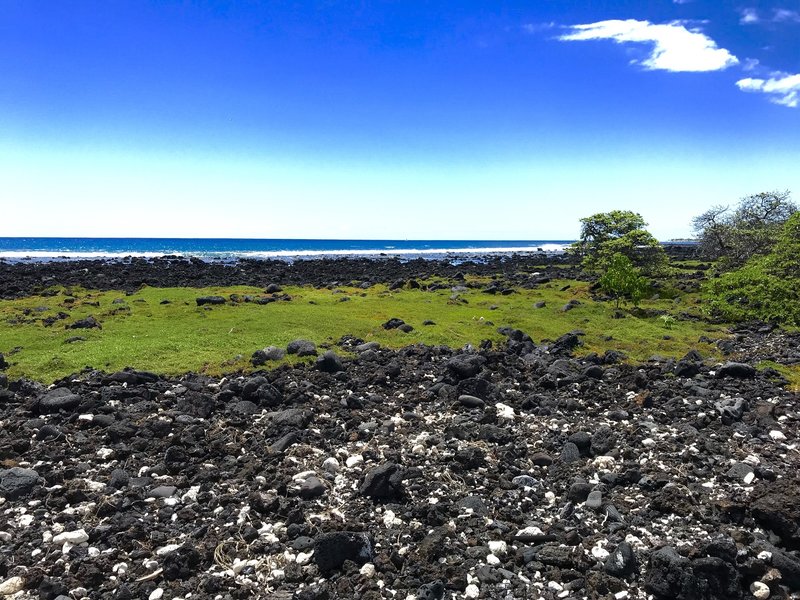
<point x="230" y="250"/>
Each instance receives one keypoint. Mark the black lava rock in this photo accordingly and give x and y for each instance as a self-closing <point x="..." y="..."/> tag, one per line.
<point x="384" y="482"/>
<point x="56" y="400"/>
<point x="181" y="563"/>
<point x="88" y="323"/>
<point x="17" y="482"/>
<point x="302" y="348"/>
<point x="622" y="561"/>
<point x="738" y="370"/>
<point x="330" y="362"/>
<point x="270" y="353"/>
<point x="331" y="550"/>
<point x="393" y="323"/>
<point x="465" y="365"/>
<point x="471" y="401"/>
<point x="212" y="300"/>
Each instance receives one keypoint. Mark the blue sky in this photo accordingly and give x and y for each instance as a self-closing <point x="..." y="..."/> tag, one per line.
<point x="426" y="120"/>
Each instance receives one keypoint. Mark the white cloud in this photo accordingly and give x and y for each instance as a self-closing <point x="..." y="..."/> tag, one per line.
<point x="674" y="47"/>
<point x="783" y="15"/>
<point x="750" y="64"/>
<point x="749" y="16"/>
<point x="781" y="88"/>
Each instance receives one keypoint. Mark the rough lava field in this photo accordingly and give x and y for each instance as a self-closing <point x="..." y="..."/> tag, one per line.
<point x="517" y="470"/>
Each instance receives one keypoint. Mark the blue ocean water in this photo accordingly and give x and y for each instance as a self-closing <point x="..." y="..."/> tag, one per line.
<point x="44" y="249"/>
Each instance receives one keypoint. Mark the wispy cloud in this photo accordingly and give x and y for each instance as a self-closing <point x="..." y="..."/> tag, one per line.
<point x="750" y="16"/>
<point x="750" y="64"/>
<point x="674" y="47"/>
<point x="782" y="15"/>
<point x="537" y="27"/>
<point x="781" y="88"/>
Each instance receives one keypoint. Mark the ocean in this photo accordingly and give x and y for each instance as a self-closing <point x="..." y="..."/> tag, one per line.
<point x="13" y="249"/>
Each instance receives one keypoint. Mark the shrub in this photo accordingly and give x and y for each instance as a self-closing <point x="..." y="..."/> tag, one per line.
<point x="753" y="293"/>
<point x="623" y="281"/>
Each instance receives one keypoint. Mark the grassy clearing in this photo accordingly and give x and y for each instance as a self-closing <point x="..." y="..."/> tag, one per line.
<point x="145" y="332"/>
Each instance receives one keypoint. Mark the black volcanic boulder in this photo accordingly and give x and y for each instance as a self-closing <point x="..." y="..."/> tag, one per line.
<point x="329" y="362"/>
<point x="285" y="442"/>
<point x="670" y="575"/>
<point x="261" y="357"/>
<point x="464" y="366"/>
<point x="775" y="508"/>
<point x="291" y="418"/>
<point x="302" y="348"/>
<point x="737" y="370"/>
<point x="3" y="362"/>
<point x="393" y="323"/>
<point x="602" y="441"/>
<point x="471" y="401"/>
<point x="384" y="482"/>
<point x="133" y="377"/>
<point x="675" y="499"/>
<point x="687" y="368"/>
<point x="332" y="549"/>
<point x="731" y="409"/>
<point x="519" y="342"/>
<point x="690" y="365"/>
<point x="209" y="300"/>
<point x="17" y="482"/>
<point x="312" y="488"/>
<point x="175" y="459"/>
<point x="87" y="323"/>
<point x="56" y="400"/>
<point x="622" y="561"/>
<point x="564" y="345"/>
<point x="431" y="591"/>
<point x="260" y="391"/>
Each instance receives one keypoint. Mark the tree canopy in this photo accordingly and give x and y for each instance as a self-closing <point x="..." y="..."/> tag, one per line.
<point x="734" y="236"/>
<point x="603" y="235"/>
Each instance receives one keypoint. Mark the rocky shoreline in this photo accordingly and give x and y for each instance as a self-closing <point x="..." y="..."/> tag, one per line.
<point x="23" y="278"/>
<point x="512" y="472"/>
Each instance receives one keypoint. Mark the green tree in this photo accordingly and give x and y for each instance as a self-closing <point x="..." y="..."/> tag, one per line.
<point x="604" y="235"/>
<point x="784" y="260"/>
<point x="623" y="281"/>
<point x="732" y="237"/>
<point x="766" y="287"/>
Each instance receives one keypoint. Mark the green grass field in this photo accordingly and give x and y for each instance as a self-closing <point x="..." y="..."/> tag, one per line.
<point x="163" y="330"/>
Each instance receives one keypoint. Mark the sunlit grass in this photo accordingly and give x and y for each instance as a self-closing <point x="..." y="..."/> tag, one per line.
<point x="176" y="336"/>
